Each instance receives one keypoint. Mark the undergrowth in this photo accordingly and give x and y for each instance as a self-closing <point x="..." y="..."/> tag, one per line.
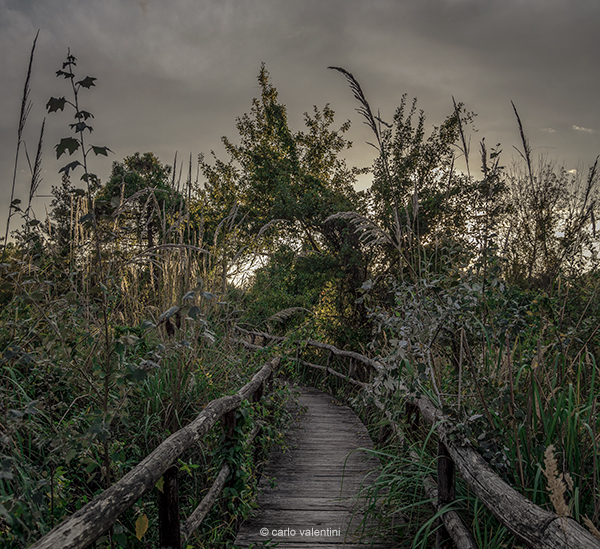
<point x="110" y="343"/>
<point x="119" y="312"/>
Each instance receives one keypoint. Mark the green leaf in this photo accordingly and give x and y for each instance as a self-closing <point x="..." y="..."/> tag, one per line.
<point x="71" y="296"/>
<point x="135" y="374"/>
<point x="66" y="144"/>
<point x="56" y="104"/>
<point x="80" y="126"/>
<point x="84" y="114"/>
<point x="70" y="455"/>
<point x="87" y="82"/>
<point x="91" y="467"/>
<point x="65" y="74"/>
<point x="101" y="150"/>
<point x="141" y="526"/>
<point x="147" y="325"/>
<point x="120" y="539"/>
<point x="90" y="178"/>
<point x="168" y="314"/>
<point x="129" y="339"/>
<point x="160" y="484"/>
<point x="71" y="166"/>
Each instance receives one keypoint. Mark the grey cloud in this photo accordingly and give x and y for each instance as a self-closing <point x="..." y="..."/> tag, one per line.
<point x="174" y="76"/>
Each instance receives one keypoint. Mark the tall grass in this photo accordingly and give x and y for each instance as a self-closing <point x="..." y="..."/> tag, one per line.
<point x="108" y="345"/>
<point x="500" y="329"/>
<point x="26" y="106"/>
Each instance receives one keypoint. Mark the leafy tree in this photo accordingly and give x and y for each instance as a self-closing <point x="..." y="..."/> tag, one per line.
<point x="550" y="227"/>
<point x="274" y="173"/>
<point x="418" y="203"/>
<point x="416" y="193"/>
<point x="296" y="179"/>
<point x="61" y="214"/>
<point x="139" y="186"/>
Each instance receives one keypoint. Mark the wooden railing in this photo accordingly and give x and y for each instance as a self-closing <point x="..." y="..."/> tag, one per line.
<point x="95" y="518"/>
<point x="532" y="525"/>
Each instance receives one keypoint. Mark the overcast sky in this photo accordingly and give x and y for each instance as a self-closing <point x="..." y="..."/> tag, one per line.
<point x="173" y="76"/>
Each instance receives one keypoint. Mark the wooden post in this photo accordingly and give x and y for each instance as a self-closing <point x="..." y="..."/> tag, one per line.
<point x="329" y="357"/>
<point x="168" y="510"/>
<point x="446" y="491"/>
<point x="258" y="393"/>
<point x="351" y="368"/>
<point x="298" y="357"/>
<point x="228" y="424"/>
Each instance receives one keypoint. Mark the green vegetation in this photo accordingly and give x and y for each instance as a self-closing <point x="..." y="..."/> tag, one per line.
<point x="118" y="311"/>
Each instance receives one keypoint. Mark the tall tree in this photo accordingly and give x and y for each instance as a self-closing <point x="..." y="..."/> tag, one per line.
<point x="140" y="187"/>
<point x="274" y="173"/>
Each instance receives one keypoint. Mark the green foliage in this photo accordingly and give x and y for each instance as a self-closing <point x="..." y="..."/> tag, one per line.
<point x="118" y="311"/>
<point x="57" y="428"/>
<point x="275" y="174"/>
<point x="483" y="297"/>
<point x="139" y="192"/>
<point x="72" y="144"/>
<point x="287" y="281"/>
<point x="291" y="183"/>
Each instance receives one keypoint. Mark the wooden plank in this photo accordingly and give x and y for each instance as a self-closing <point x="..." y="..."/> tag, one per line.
<point x="284" y="501"/>
<point x="308" y="493"/>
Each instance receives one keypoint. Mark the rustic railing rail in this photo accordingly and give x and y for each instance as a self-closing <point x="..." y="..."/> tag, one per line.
<point x="532" y="525"/>
<point x="95" y="518"/>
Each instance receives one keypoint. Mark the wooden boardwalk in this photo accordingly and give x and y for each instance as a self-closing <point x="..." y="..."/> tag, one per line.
<point x="306" y="495"/>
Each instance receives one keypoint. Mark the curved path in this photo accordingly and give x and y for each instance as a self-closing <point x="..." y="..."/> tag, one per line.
<point x="307" y="494"/>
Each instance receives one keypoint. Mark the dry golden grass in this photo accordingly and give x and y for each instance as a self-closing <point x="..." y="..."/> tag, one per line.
<point x="595" y="532"/>
<point x="557" y="483"/>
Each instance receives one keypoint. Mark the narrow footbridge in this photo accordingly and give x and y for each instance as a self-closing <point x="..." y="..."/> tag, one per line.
<point x="308" y="492"/>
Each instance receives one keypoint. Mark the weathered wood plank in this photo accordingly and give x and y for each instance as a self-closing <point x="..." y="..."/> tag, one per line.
<point x="308" y="493"/>
<point x="533" y="525"/>
<point x="168" y="510"/>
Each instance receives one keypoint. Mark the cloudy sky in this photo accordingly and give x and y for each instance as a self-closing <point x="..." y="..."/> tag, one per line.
<point x="173" y="76"/>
